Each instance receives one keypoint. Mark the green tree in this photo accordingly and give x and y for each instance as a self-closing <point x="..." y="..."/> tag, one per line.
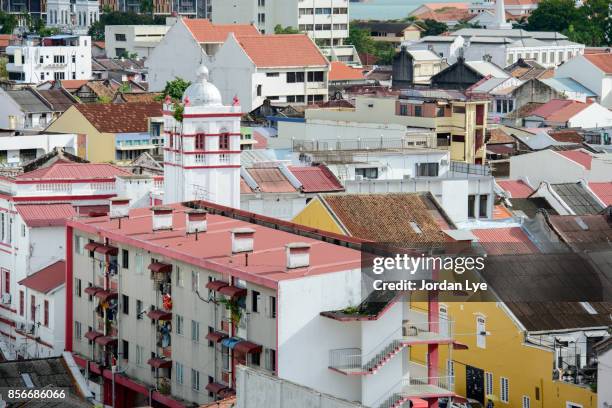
<point x="3" y="71"/>
<point x="361" y="40"/>
<point x="146" y="6"/>
<point x="553" y="15"/>
<point x="279" y="29"/>
<point x="433" y="27"/>
<point x="8" y="23"/>
<point x="175" y="88"/>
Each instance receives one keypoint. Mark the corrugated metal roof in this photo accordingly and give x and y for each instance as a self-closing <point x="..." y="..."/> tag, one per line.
<point x="29" y="101"/>
<point x="579" y="157"/>
<point x="516" y="188"/>
<point x="316" y="179"/>
<point x="74" y="171"/>
<point x="567" y="85"/>
<point x="501" y="241"/>
<point x="45" y="215"/>
<point x="577" y="198"/>
<point x="47" y="279"/>
<point x="603" y="191"/>
<point x="271" y="180"/>
<point x="485" y="68"/>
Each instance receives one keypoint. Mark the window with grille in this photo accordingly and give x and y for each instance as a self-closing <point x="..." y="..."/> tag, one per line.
<point x="504" y="389"/>
<point x="199" y="141"/>
<point x="526" y="402"/>
<point x="489" y="383"/>
<point x="224" y="141"/>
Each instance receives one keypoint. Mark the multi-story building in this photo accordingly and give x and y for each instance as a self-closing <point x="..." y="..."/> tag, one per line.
<point x="76" y="16"/>
<point x="32" y="109"/>
<point x="121" y="40"/>
<point x="459" y="123"/>
<point x="35" y="8"/>
<point x="326" y="21"/>
<point x="174" y="325"/>
<point x="18" y="147"/>
<point x="56" y="57"/>
<point x="256" y="68"/>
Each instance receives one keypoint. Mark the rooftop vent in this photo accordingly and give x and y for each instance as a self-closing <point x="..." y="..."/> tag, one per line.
<point x="298" y="255"/>
<point x="119" y="207"/>
<point x="196" y="221"/>
<point x="243" y="240"/>
<point x="162" y="218"/>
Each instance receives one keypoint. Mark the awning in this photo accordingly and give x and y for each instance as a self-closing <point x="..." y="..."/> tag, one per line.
<point x="106" y="340"/>
<point x="92" y="335"/>
<point x="159" y="363"/>
<point x="106" y="250"/>
<point x="459" y="346"/>
<point x="247" y="347"/>
<point x="215" y="285"/>
<point x="233" y="291"/>
<point x="215" y="387"/>
<point x="92" y="246"/>
<point x="105" y="295"/>
<point x="92" y="290"/>
<point x="230" y="342"/>
<point x="418" y="403"/>
<point x="216" y="336"/>
<point x="159" y="314"/>
<point x="160" y="267"/>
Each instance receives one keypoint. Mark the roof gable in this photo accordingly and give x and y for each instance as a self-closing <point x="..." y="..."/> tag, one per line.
<point x="603" y="61"/>
<point x="206" y="32"/>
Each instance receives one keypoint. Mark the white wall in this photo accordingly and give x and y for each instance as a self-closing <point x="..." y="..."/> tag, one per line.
<point x="8" y="107"/>
<point x="594" y="116"/>
<point x="581" y="70"/>
<point x="44" y="143"/>
<point x="177" y="55"/>
<point x="301" y="328"/>
<point x="604" y="379"/>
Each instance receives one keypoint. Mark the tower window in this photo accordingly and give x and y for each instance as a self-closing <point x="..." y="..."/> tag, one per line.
<point x="199" y="141"/>
<point x="224" y="141"/>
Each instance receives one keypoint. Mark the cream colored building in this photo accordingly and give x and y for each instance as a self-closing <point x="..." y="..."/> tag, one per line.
<point x="133" y="39"/>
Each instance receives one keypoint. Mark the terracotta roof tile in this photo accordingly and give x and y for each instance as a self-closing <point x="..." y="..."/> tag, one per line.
<point x="316" y="179"/>
<point x="139" y="97"/>
<point x="501" y="241"/>
<point x="60" y="99"/>
<point x="271" y="180"/>
<point x="45" y="215"/>
<point x="516" y="188"/>
<point x="603" y="191"/>
<point x="339" y="71"/>
<point x="602" y="61"/>
<point x="559" y="110"/>
<point x="206" y="32"/>
<point x="282" y="50"/>
<point x="47" y="278"/>
<point x="396" y="218"/>
<point x="120" y="118"/>
<point x="498" y="136"/>
<point x="447" y="14"/>
<point x="579" y="157"/>
<point x="74" y="171"/>
<point x="73" y="84"/>
<point x="566" y="136"/>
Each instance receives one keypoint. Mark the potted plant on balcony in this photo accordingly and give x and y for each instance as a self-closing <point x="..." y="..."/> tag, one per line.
<point x="234" y="308"/>
<point x="164" y="386"/>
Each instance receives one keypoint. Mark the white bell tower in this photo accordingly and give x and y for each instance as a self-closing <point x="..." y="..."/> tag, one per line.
<point x="202" y="151"/>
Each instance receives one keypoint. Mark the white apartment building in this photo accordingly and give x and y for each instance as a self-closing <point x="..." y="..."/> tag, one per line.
<point x="57" y="57"/>
<point x="594" y="71"/>
<point x="20" y="147"/>
<point x="325" y="21"/>
<point x="33" y="211"/>
<point x="133" y="39"/>
<point x="284" y="68"/>
<point x="76" y="16"/>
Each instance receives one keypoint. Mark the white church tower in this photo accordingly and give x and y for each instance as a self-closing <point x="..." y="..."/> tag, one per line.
<point x="500" y="17"/>
<point x="202" y="152"/>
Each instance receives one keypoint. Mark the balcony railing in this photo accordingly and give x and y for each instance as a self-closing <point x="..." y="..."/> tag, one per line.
<point x="417" y="384"/>
<point x="417" y="328"/>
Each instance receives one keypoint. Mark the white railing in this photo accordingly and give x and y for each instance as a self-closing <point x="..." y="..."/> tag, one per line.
<point x="417" y="325"/>
<point x="354" y="360"/>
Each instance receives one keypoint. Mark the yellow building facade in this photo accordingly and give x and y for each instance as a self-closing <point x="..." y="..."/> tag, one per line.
<point x="501" y="358"/>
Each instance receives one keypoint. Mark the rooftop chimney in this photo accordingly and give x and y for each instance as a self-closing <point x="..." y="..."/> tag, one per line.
<point x="298" y="255"/>
<point x="243" y="240"/>
<point x="119" y="207"/>
<point x="196" y="221"/>
<point x="162" y="218"/>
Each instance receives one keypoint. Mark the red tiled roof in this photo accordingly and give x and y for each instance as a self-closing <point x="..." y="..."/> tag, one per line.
<point x="500" y="213"/>
<point x="45" y="215"/>
<point x="73" y="84"/>
<point x="603" y="191"/>
<point x="100" y="44"/>
<point x="316" y="179"/>
<point x="339" y="71"/>
<point x="559" y="110"/>
<point x="578" y="156"/>
<point x="74" y="171"/>
<point x="244" y="187"/>
<point x="46" y="279"/>
<point x="438" y="6"/>
<point x="206" y="32"/>
<point x="282" y="50"/>
<point x="271" y="180"/>
<point x="516" y="188"/>
<point x="213" y="249"/>
<point x="447" y="14"/>
<point x="501" y="241"/>
<point x="121" y="117"/>
<point x="262" y="141"/>
<point x="566" y="136"/>
<point x="602" y="61"/>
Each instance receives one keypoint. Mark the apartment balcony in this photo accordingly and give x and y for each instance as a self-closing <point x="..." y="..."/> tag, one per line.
<point x="417" y="329"/>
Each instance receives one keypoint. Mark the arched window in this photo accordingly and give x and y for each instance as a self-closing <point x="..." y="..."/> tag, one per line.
<point x="224" y="141"/>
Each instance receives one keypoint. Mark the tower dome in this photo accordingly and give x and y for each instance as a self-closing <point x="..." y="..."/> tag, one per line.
<point x="202" y="92"/>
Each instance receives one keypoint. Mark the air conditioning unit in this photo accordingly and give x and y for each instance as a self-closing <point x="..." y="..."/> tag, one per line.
<point x="21" y="326"/>
<point x="6" y="298"/>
